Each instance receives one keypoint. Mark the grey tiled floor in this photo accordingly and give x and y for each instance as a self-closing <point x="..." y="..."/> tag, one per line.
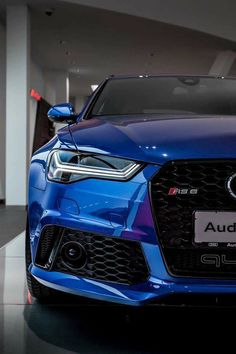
<point x="12" y="222"/>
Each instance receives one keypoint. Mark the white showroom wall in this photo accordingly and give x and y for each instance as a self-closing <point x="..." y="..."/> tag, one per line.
<point x="37" y="81"/>
<point x="2" y="109"/>
<point x="17" y="117"/>
<point x="79" y="103"/>
<point x="57" y="89"/>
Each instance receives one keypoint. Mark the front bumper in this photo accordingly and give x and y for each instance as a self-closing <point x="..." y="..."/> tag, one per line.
<point x="153" y="290"/>
<point x="112" y="209"/>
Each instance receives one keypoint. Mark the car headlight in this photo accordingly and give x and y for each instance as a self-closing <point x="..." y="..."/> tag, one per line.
<point x="68" y="166"/>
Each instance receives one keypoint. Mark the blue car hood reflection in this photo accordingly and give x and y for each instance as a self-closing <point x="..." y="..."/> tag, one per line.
<point x="156" y="139"/>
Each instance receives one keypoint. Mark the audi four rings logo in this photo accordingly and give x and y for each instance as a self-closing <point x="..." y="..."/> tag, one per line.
<point x="231" y="185"/>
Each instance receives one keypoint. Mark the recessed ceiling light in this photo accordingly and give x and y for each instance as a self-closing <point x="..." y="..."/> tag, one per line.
<point x="94" y="87"/>
<point x="74" y="70"/>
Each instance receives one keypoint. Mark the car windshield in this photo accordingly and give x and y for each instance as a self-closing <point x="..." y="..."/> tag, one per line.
<point x="167" y="95"/>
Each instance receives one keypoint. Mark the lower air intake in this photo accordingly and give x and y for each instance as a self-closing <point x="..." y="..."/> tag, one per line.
<point x="107" y="258"/>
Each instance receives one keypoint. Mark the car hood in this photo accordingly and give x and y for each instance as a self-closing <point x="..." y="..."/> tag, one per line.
<point x="156" y="139"/>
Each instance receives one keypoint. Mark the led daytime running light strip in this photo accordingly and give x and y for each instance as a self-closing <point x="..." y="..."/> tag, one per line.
<point x="90" y="171"/>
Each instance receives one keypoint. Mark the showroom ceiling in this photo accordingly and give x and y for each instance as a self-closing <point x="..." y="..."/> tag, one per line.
<point x="210" y="16"/>
<point x="214" y="17"/>
<point x="92" y="43"/>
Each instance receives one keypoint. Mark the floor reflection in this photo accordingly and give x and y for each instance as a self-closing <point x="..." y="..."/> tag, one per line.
<point x="75" y="325"/>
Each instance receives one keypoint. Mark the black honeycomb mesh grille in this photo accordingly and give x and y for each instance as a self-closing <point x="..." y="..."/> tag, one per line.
<point x="108" y="258"/>
<point x="174" y="214"/>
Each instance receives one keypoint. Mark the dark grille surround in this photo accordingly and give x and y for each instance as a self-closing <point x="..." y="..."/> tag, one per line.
<point x="49" y="239"/>
<point x="174" y="214"/>
<point x="108" y="258"/>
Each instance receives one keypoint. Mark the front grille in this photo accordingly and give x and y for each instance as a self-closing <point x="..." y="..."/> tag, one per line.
<point x="174" y="213"/>
<point x="108" y="258"/>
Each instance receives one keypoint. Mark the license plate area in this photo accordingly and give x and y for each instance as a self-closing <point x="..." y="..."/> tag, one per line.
<point x="215" y="227"/>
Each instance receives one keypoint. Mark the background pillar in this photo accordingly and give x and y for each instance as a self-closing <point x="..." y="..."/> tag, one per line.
<point x="17" y="104"/>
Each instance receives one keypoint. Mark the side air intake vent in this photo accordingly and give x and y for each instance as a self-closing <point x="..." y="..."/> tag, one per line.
<point x="92" y="256"/>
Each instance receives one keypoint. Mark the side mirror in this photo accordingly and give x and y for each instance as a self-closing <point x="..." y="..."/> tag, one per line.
<point x="62" y="113"/>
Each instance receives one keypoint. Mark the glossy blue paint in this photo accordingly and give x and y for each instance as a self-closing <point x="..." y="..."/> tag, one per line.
<point x="61" y="113"/>
<point x="158" y="285"/>
<point x="123" y="209"/>
<point x="158" y="139"/>
<point x="136" y="295"/>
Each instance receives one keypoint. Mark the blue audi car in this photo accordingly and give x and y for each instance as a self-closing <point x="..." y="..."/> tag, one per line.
<point x="134" y="200"/>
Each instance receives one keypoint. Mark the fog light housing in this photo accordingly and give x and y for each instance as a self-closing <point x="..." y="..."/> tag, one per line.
<point x="73" y="255"/>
